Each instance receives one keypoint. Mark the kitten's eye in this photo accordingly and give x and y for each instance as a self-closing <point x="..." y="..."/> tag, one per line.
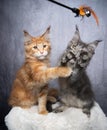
<point x="44" y="46"/>
<point x="35" y="47"/>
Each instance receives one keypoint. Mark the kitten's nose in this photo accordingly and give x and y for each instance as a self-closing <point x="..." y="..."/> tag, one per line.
<point x="41" y="52"/>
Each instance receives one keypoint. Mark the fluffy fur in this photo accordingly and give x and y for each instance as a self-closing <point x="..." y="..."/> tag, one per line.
<point x="31" y="83"/>
<point x="71" y="119"/>
<point x="75" y="90"/>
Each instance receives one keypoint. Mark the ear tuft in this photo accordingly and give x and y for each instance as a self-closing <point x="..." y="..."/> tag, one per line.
<point x="99" y="41"/>
<point x="48" y="29"/>
<point x="27" y="37"/>
<point x="76" y="36"/>
<point x="25" y="32"/>
<point x="95" y="43"/>
<point x="46" y="34"/>
<point x="77" y="29"/>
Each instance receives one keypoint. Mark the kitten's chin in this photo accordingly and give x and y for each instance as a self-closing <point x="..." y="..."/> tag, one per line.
<point x="41" y="57"/>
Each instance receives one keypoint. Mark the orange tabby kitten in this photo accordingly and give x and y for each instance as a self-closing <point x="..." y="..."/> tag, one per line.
<point x="31" y="84"/>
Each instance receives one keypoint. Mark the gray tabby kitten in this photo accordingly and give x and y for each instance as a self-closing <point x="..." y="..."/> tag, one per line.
<point x="75" y="90"/>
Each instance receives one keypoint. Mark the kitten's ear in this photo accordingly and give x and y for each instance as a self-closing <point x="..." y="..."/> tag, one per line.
<point x="95" y="43"/>
<point x="46" y="34"/>
<point x="76" y="36"/>
<point x="27" y="37"/>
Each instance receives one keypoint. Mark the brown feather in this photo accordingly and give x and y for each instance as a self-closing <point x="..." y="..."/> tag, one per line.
<point x="91" y="10"/>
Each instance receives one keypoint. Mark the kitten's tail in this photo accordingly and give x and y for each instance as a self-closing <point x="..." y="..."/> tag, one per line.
<point x="53" y="95"/>
<point x="52" y="98"/>
<point x="53" y="92"/>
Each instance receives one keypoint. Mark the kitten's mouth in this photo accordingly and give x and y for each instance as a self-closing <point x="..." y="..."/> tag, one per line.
<point x="41" y="57"/>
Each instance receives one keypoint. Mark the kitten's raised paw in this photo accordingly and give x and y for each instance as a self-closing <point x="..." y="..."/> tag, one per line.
<point x="43" y="112"/>
<point x="64" y="71"/>
<point x="68" y="72"/>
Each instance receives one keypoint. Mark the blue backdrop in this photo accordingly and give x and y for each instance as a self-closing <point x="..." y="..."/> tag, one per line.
<point x="35" y="16"/>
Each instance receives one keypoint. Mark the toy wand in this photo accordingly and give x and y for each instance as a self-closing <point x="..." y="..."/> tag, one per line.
<point x="81" y="11"/>
<point x="74" y="10"/>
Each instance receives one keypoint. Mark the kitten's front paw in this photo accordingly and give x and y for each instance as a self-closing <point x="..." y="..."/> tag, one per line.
<point x="58" y="109"/>
<point x="44" y="112"/>
<point x="87" y="112"/>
